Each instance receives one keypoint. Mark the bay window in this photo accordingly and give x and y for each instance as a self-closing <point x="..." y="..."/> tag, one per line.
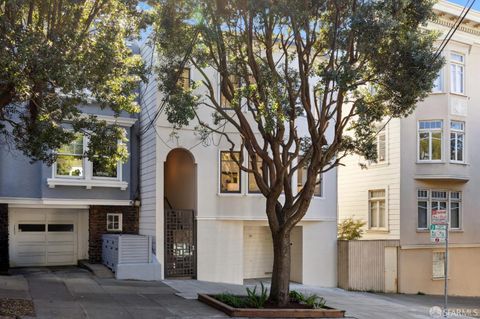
<point x="430" y="140"/>
<point x="457" y="141"/>
<point x="430" y="200"/>
<point x="457" y="66"/>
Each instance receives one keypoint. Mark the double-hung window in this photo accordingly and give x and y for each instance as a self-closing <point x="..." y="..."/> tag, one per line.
<point x="457" y="141"/>
<point x="70" y="159"/>
<point x="381" y="146"/>
<point x="230" y="179"/>
<point x="422" y="204"/>
<point x="430" y="140"/>
<point x="455" y="210"/>
<point x="438" y="83"/>
<point x="457" y="67"/>
<point x="377" y="211"/>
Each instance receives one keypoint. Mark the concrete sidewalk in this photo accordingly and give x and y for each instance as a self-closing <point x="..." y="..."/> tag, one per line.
<point x="75" y="293"/>
<point x="361" y="305"/>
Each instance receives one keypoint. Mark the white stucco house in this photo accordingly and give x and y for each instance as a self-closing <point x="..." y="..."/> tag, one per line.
<point x="206" y="217"/>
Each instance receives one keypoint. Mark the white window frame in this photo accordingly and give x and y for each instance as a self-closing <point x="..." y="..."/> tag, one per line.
<point x="382" y="132"/>
<point x="441" y="84"/>
<point x="378" y="199"/>
<point x="120" y="222"/>
<point x="458" y="200"/>
<point x="430" y="131"/>
<point x="430" y="199"/>
<point x="457" y="132"/>
<point x="453" y="70"/>
<point x="427" y="200"/>
<point x="84" y="165"/>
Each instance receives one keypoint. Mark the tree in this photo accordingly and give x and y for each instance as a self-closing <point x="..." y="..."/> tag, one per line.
<point x="350" y="229"/>
<point x="335" y="65"/>
<point x="55" y="55"/>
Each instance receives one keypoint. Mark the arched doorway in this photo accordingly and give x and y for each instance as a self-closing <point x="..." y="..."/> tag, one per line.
<point x="180" y="201"/>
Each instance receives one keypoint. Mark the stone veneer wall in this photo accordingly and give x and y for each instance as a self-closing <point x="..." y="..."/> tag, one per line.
<point x="98" y="226"/>
<point x="4" y="259"/>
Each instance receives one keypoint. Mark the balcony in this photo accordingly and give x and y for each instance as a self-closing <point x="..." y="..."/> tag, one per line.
<point x="442" y="172"/>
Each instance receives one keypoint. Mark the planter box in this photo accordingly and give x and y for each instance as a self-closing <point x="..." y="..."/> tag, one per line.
<point x="270" y="312"/>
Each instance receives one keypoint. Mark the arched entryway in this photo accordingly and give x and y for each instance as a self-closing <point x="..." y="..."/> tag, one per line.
<point x="180" y="201"/>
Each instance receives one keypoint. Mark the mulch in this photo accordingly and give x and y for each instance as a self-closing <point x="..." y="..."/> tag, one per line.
<point x="16" y="308"/>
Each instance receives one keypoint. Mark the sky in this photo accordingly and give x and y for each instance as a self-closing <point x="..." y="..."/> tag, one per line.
<point x="476" y="6"/>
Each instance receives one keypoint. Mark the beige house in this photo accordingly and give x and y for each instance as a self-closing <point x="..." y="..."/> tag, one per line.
<point x="428" y="161"/>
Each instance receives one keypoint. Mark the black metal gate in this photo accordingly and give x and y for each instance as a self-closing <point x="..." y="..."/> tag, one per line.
<point x="180" y="240"/>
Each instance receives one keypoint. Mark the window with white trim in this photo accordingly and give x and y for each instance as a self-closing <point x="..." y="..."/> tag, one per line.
<point x="114" y="222"/>
<point x="457" y="141"/>
<point x="381" y="146"/>
<point x="438" y="83"/>
<point x="455" y="210"/>
<point x="438" y="265"/>
<point x="70" y="159"/>
<point x="377" y="211"/>
<point x="430" y="140"/>
<point x="457" y="67"/>
<point x="230" y="179"/>
<point x="422" y="204"/>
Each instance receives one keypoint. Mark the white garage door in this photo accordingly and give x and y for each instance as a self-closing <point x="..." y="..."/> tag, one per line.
<point x="257" y="252"/>
<point x="43" y="237"/>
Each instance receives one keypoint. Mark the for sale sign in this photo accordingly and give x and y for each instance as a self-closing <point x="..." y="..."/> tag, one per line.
<point x="438" y="233"/>
<point x="439" y="217"/>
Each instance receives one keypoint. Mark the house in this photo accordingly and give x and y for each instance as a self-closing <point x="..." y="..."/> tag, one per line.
<point x="208" y="217"/>
<point x="426" y="162"/>
<point x="56" y="215"/>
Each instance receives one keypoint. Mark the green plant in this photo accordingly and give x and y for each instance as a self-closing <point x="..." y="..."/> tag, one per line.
<point x="231" y="300"/>
<point x="313" y="300"/>
<point x="350" y="229"/>
<point x="257" y="301"/>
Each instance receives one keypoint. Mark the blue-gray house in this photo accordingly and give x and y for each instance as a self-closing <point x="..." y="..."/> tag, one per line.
<point x="55" y="215"/>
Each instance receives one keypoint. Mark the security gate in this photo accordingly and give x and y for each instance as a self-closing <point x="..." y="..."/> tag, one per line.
<point x="180" y="236"/>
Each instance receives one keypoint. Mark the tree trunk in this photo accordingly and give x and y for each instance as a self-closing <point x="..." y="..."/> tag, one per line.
<point x="281" y="269"/>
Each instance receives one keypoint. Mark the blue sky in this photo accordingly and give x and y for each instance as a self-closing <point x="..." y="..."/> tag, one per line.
<point x="476" y="6"/>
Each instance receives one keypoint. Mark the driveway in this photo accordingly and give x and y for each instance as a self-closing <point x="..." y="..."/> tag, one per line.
<point x="76" y="293"/>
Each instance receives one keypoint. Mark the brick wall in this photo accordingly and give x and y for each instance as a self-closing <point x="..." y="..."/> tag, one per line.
<point x="4" y="260"/>
<point x="98" y="226"/>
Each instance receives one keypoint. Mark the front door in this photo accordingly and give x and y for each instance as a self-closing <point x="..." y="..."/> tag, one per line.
<point x="180" y="252"/>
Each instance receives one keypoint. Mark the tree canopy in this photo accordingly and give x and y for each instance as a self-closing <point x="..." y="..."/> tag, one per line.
<point x="337" y="66"/>
<point x="58" y="54"/>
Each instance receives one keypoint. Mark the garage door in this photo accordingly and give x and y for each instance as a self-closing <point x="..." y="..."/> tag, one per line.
<point x="257" y="252"/>
<point x="41" y="237"/>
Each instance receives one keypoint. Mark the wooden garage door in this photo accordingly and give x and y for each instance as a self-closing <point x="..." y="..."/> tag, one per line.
<point x="42" y="237"/>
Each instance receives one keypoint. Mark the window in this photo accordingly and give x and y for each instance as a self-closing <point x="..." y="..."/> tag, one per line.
<point x="302" y="173"/>
<point x="114" y="222"/>
<point x="108" y="170"/>
<point x="60" y="228"/>
<point x="229" y="172"/>
<point x="457" y="65"/>
<point x="184" y="79"/>
<point x="422" y="203"/>
<point x="236" y="84"/>
<point x="70" y="160"/>
<point x="430" y="140"/>
<point x="377" y="212"/>
<point x="455" y="209"/>
<point x="252" y="183"/>
<point x="438" y="83"/>
<point x="31" y="227"/>
<point x="457" y="139"/>
<point x="381" y="147"/>
<point x="439" y="200"/>
<point x="438" y="265"/>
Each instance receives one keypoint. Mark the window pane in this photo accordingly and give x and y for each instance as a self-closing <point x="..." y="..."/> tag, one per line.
<point x="31" y="227"/>
<point x="456" y="125"/>
<point x="381" y="222"/>
<point x="381" y="147"/>
<point x="379" y="193"/>
<point x="373" y="214"/>
<point x="252" y="183"/>
<point x="230" y="173"/>
<point x="437" y="84"/>
<point x="70" y="165"/>
<point x="60" y="228"/>
<point x="424" y="146"/>
<point x="459" y="147"/>
<point x="422" y="193"/>
<point x="422" y="214"/>
<point x="74" y="148"/>
<point x="457" y="57"/>
<point x="318" y="186"/>
<point x="436" y="146"/>
<point x="455" y="215"/>
<point x="104" y="169"/>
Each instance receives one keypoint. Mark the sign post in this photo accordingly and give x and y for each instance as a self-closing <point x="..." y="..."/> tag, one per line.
<point x="439" y="234"/>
